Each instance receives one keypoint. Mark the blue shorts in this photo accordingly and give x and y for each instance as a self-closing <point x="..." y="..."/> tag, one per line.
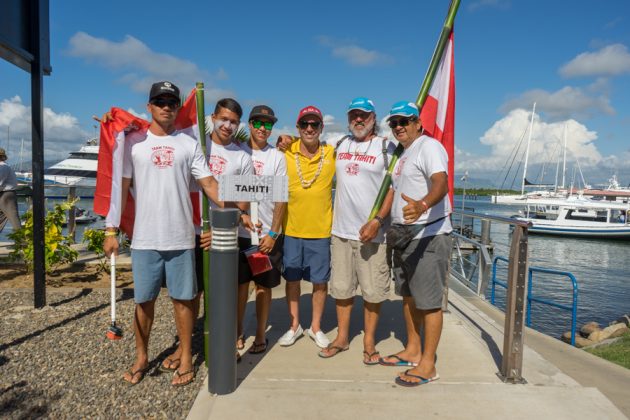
<point x="150" y="267"/>
<point x="307" y="259"/>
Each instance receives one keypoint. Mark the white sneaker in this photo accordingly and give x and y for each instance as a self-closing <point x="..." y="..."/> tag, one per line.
<point x="289" y="337"/>
<point x="319" y="338"/>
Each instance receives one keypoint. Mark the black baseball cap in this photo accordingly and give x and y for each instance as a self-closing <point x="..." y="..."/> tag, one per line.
<point x="163" y="88"/>
<point x="262" y="111"/>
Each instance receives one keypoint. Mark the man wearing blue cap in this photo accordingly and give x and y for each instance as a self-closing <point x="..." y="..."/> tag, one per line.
<point x="358" y="244"/>
<point x="419" y="237"/>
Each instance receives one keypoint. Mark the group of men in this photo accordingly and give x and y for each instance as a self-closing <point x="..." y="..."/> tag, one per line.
<point x="305" y="238"/>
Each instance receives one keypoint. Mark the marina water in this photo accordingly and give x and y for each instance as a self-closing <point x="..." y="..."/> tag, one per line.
<point x="602" y="269"/>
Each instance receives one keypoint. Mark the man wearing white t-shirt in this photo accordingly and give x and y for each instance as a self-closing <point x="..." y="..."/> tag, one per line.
<point x="359" y="256"/>
<point x="421" y="244"/>
<point x="267" y="161"/>
<point x="162" y="164"/>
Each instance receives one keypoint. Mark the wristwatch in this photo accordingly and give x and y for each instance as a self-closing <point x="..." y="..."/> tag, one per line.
<point x="380" y="220"/>
<point x="273" y="235"/>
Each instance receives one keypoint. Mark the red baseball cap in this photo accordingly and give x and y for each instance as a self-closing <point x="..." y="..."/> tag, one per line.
<point x="310" y="110"/>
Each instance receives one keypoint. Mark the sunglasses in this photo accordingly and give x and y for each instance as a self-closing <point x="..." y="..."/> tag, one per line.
<point x="403" y="122"/>
<point x="257" y="124"/>
<point x="304" y="124"/>
<point x="162" y="102"/>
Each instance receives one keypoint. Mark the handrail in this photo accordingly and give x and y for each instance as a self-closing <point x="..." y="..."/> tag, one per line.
<point x="531" y="298"/>
<point x="508" y="220"/>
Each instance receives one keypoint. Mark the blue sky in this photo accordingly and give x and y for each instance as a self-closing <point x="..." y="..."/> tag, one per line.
<point x="571" y="57"/>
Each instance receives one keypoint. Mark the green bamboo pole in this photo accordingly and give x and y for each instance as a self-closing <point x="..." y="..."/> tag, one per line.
<point x="422" y="97"/>
<point x="201" y="124"/>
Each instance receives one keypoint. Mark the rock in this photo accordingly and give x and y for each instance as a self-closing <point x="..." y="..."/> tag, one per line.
<point x="625" y="319"/>
<point x="588" y="328"/>
<point x="620" y="331"/>
<point x="583" y="342"/>
<point x="597" y="336"/>
<point x="614" y="327"/>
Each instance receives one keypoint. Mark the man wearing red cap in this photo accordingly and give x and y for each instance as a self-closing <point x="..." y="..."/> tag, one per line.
<point x="308" y="223"/>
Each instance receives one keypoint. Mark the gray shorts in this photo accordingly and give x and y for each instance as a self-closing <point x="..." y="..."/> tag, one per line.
<point x="420" y="270"/>
<point x="357" y="264"/>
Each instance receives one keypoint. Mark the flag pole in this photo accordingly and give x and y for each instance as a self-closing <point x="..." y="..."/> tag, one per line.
<point x="205" y="227"/>
<point x="422" y="97"/>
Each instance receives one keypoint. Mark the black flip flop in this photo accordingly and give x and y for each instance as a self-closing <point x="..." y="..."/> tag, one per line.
<point x="369" y="358"/>
<point x="169" y="369"/>
<point x="179" y="374"/>
<point x="258" y="348"/>
<point x="133" y="374"/>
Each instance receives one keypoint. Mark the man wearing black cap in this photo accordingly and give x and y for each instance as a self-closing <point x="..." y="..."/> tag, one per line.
<point x="267" y="161"/>
<point x="8" y="199"/>
<point x="162" y="162"/>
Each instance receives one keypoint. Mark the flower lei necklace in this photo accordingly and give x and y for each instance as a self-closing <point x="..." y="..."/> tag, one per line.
<point x="307" y="184"/>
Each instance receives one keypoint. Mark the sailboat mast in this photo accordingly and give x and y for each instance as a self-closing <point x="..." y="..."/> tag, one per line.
<point x="529" y="140"/>
<point x="564" y="159"/>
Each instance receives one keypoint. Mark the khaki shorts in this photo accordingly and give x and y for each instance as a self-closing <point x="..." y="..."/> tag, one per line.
<point x="354" y="264"/>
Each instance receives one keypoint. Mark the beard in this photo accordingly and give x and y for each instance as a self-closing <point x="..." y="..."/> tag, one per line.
<point x="361" y="131"/>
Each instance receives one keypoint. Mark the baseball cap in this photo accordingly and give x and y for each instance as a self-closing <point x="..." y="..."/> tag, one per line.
<point x="262" y="111"/>
<point x="163" y="88"/>
<point x="364" y="104"/>
<point x="310" y="110"/>
<point x="403" y="109"/>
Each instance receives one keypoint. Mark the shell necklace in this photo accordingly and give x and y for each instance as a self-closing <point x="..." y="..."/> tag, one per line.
<point x="306" y="184"/>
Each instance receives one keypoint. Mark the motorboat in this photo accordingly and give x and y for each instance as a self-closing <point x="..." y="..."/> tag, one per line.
<point x="578" y="217"/>
<point x="77" y="170"/>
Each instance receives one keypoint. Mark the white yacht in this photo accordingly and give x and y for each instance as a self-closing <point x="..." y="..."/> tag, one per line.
<point x="579" y="217"/>
<point x="77" y="170"/>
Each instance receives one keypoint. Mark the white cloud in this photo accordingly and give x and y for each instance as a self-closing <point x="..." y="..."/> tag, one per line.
<point x="140" y="66"/>
<point x="142" y="115"/>
<point x="62" y="132"/>
<point x="611" y="60"/>
<point x="354" y="54"/>
<point x="566" y="102"/>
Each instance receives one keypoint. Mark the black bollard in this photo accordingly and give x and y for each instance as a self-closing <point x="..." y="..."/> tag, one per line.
<point x="222" y="301"/>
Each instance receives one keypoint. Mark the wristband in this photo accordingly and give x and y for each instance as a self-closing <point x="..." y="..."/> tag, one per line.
<point x="273" y="235"/>
<point x="380" y="220"/>
<point x="111" y="233"/>
<point x="426" y="206"/>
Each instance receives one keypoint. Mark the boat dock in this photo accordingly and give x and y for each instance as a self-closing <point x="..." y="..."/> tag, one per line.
<point x="562" y="382"/>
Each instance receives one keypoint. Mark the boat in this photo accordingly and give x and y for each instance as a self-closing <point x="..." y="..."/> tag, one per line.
<point x="83" y="217"/>
<point x="578" y="217"/>
<point x="78" y="170"/>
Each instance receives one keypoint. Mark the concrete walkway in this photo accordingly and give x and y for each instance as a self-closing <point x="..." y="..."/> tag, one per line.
<point x="295" y="383"/>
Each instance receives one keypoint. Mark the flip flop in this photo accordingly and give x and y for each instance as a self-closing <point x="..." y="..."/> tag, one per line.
<point x="133" y="374"/>
<point x="170" y="367"/>
<point x="400" y="362"/>
<point x="329" y="355"/>
<point x="370" y="362"/>
<point x="240" y="342"/>
<point x="179" y="374"/>
<point x="400" y="381"/>
<point x="258" y="348"/>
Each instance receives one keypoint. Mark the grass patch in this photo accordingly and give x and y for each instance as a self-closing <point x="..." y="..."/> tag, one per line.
<point x="617" y="352"/>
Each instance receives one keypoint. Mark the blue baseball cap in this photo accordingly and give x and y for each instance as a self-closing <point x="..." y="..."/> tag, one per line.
<point x="403" y="109"/>
<point x="364" y="104"/>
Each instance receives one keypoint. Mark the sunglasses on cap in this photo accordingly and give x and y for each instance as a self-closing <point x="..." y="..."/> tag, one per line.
<point x="304" y="124"/>
<point x="257" y="124"/>
<point x="162" y="102"/>
<point x="403" y="122"/>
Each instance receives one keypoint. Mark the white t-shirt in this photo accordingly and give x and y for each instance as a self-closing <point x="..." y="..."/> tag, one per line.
<point x="229" y="160"/>
<point x="162" y="169"/>
<point x="8" y="181"/>
<point x="360" y="169"/>
<point x="412" y="176"/>
<point x="267" y="162"/>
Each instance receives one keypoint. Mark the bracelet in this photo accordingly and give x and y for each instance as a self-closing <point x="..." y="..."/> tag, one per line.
<point x="380" y="220"/>
<point x="426" y="206"/>
<point x="111" y="233"/>
<point x="273" y="235"/>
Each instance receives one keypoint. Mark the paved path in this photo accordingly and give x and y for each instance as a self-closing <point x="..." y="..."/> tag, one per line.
<point x="295" y="383"/>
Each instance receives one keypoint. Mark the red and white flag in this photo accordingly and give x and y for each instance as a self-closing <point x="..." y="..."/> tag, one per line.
<point x="438" y="112"/>
<point x="107" y="196"/>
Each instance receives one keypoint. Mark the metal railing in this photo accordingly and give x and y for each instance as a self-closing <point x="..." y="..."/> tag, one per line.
<point x="512" y="356"/>
<point x="531" y="298"/>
